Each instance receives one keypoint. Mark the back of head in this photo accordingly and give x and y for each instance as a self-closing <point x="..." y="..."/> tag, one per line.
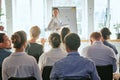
<point x="64" y="32"/>
<point x="35" y="32"/>
<point x="96" y="36"/>
<point x="72" y="41"/>
<point x="105" y="33"/>
<point x="54" y="40"/>
<point x="18" y="39"/>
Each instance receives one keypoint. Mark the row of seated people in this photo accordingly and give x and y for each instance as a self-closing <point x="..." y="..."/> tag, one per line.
<point x="71" y="65"/>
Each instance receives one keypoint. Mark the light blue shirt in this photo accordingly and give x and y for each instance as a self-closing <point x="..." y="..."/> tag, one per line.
<point x="74" y="66"/>
<point x="100" y="54"/>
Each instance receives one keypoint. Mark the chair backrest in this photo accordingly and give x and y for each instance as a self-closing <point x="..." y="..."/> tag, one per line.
<point x="46" y="72"/>
<point x="78" y="79"/>
<point x="105" y="72"/>
<point x="22" y="78"/>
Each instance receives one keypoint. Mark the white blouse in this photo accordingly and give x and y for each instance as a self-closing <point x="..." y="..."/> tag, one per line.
<point x="20" y="65"/>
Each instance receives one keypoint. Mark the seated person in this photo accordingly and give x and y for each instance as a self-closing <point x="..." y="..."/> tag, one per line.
<point x="34" y="49"/>
<point x="64" y="32"/>
<point x="20" y="64"/>
<point x="99" y="53"/>
<point x="73" y="66"/>
<point x="4" y="51"/>
<point x="54" y="54"/>
<point x="106" y="35"/>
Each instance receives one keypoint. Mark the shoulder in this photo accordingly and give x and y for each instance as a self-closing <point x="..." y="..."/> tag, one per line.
<point x="108" y="44"/>
<point x="87" y="48"/>
<point x="30" y="57"/>
<point x="6" y="60"/>
<point x="44" y="55"/>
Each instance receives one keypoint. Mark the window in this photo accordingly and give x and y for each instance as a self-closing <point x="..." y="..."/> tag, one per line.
<point x="3" y="14"/>
<point x="27" y="13"/>
<point x="106" y="14"/>
<point x="115" y="17"/>
<point x="100" y="14"/>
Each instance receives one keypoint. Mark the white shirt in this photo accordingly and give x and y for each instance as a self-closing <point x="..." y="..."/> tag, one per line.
<point x="54" y="24"/>
<point x="20" y="65"/>
<point x="100" y="54"/>
<point x="50" y="57"/>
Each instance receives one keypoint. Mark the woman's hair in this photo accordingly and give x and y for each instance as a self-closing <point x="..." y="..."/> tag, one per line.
<point x="55" y="8"/>
<point x="105" y="33"/>
<point x="18" y="39"/>
<point x="54" y="40"/>
<point x="64" y="32"/>
<point x="35" y="31"/>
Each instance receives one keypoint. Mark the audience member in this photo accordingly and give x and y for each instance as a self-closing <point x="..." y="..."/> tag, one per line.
<point x="98" y="52"/>
<point x="4" y="51"/>
<point x="4" y="41"/>
<point x="33" y="48"/>
<point x="64" y="32"/>
<point x="19" y="64"/>
<point x="73" y="66"/>
<point x="106" y="35"/>
<point x="54" y="54"/>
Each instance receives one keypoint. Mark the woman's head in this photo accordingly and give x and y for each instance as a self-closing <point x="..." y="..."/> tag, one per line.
<point x="54" y="40"/>
<point x="35" y="32"/>
<point x="64" y="32"/>
<point x="55" y="12"/>
<point x="19" y="39"/>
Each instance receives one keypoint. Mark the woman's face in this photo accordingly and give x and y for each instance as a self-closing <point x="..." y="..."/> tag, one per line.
<point x="55" y="12"/>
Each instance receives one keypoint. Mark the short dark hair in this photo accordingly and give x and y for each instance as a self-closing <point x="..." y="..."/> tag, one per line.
<point x="64" y="32"/>
<point x="72" y="41"/>
<point x="1" y="37"/>
<point x="18" y="39"/>
<point x="105" y="33"/>
<point x="54" y="40"/>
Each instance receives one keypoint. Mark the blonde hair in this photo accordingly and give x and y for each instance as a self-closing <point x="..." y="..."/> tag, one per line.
<point x="35" y="32"/>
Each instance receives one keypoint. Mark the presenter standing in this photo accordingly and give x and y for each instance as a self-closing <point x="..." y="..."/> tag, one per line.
<point x="55" y="22"/>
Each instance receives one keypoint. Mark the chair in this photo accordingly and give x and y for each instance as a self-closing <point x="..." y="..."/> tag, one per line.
<point x="78" y="79"/>
<point x="23" y="78"/>
<point x="105" y="72"/>
<point x="46" y="72"/>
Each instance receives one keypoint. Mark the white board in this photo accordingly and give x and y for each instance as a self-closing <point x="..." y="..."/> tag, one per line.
<point x="68" y="17"/>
